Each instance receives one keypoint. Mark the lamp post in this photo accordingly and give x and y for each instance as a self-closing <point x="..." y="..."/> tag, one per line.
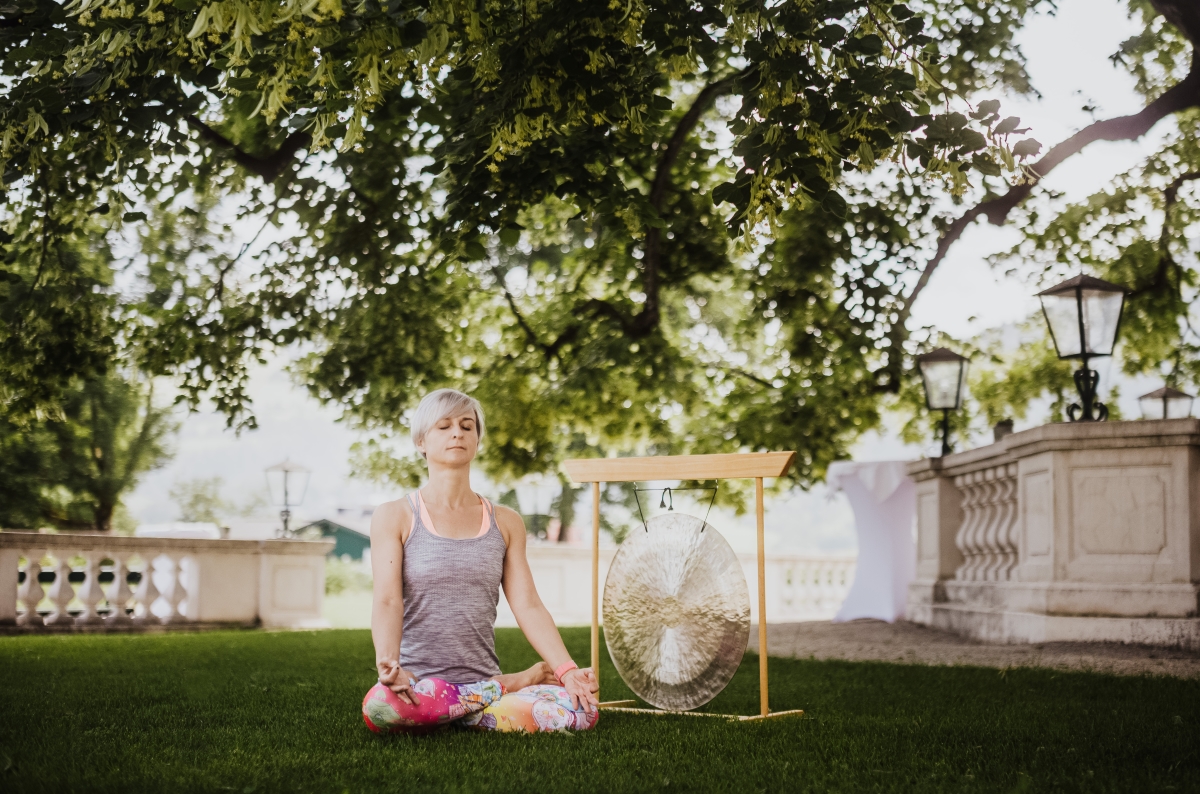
<point x="287" y="483"/>
<point x="1166" y="403"/>
<point x="1084" y="315"/>
<point x="943" y="373"/>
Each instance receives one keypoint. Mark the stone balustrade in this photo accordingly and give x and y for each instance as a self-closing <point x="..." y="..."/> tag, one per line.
<point x="94" y="582"/>
<point x="987" y="537"/>
<point x="799" y="586"/>
<point x="1065" y="532"/>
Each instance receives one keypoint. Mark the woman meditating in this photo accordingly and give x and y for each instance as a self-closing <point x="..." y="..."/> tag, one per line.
<point x="439" y="558"/>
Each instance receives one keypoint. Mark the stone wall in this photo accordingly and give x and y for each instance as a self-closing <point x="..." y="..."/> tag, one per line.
<point x="1081" y="531"/>
<point x="78" y="581"/>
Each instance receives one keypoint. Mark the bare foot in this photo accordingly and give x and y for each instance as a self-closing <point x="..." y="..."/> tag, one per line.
<point x="544" y="673"/>
<point x="540" y="673"/>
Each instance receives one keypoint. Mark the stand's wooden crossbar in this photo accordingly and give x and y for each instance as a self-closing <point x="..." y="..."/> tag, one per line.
<point x="751" y="465"/>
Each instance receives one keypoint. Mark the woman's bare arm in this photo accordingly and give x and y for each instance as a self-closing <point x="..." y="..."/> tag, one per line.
<point x="531" y="614"/>
<point x="389" y="524"/>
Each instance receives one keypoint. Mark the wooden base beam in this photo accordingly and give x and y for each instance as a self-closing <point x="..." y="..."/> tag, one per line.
<point x="728" y="717"/>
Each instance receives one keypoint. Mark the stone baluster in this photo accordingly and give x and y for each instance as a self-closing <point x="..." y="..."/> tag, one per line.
<point x="1007" y="535"/>
<point x="987" y="513"/>
<point x="996" y="513"/>
<point x="989" y="546"/>
<point x="30" y="592"/>
<point x="818" y="588"/>
<point x="119" y="592"/>
<point x="993" y="515"/>
<point x="91" y="593"/>
<point x="834" y="592"/>
<point x="146" y="593"/>
<point x="974" y="541"/>
<point x="175" y="592"/>
<point x="61" y="592"/>
<point x="965" y="537"/>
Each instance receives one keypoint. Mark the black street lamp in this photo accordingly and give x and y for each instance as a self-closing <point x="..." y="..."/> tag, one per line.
<point x="287" y="482"/>
<point x="1166" y="403"/>
<point x="943" y="373"/>
<point x="1084" y="314"/>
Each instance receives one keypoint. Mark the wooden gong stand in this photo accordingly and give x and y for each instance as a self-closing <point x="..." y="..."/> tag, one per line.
<point x="750" y="465"/>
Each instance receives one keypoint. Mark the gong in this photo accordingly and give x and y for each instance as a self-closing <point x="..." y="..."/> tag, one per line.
<point x="676" y="612"/>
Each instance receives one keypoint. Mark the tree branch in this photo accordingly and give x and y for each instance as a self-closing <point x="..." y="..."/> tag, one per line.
<point x="750" y="376"/>
<point x="1165" y="260"/>
<point x="648" y="317"/>
<point x="270" y="167"/>
<point x="1183" y="95"/>
<point x="530" y="334"/>
<point x="1185" y="15"/>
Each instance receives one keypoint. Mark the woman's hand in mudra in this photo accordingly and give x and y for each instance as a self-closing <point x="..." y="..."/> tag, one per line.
<point x="397" y="679"/>
<point x="581" y="685"/>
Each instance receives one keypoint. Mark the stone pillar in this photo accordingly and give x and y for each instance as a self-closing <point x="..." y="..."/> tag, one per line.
<point x="291" y="589"/>
<point x="939" y="516"/>
<point x="9" y="583"/>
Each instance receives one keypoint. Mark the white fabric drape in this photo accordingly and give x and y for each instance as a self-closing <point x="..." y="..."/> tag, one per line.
<point x="883" y="499"/>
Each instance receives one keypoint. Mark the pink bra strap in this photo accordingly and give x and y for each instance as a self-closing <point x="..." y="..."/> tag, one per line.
<point x="427" y="520"/>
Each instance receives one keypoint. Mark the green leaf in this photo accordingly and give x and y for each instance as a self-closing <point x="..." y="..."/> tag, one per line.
<point x="834" y="204"/>
<point x="1026" y="148"/>
<point x="971" y="141"/>
<point x="830" y="35"/>
<point x="87" y="80"/>
<point x="724" y="192"/>
<point x="475" y="250"/>
<point x="510" y="235"/>
<point x="869" y="44"/>
<point x="413" y="33"/>
<point x="243" y="84"/>
<point x="1008" y="126"/>
<point x="130" y="217"/>
<point x="987" y="107"/>
<point x="985" y="165"/>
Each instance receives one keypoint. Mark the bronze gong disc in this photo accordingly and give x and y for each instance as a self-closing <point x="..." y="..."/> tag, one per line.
<point x="676" y="612"/>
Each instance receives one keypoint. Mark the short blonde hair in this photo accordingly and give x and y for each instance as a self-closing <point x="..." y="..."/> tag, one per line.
<point x="437" y="405"/>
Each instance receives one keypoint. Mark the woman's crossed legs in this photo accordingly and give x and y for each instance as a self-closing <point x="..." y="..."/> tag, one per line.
<point x="483" y="706"/>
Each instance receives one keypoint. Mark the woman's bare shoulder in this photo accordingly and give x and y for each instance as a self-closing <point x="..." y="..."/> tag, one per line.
<point x="510" y="522"/>
<point x="392" y="518"/>
<point x="508" y="517"/>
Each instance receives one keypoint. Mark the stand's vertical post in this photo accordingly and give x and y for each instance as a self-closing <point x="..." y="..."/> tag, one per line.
<point x="764" y="708"/>
<point x="596" y="583"/>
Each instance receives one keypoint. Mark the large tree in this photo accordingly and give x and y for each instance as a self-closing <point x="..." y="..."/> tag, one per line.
<point x="71" y="468"/>
<point x="690" y="225"/>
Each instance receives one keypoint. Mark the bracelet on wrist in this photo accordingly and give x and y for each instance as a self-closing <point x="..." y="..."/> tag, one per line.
<point x="563" y="669"/>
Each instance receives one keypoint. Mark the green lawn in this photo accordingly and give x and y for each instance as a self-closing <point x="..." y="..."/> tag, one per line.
<point x="253" y="711"/>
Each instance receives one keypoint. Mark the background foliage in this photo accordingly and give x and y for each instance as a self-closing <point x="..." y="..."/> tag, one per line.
<point x="658" y="226"/>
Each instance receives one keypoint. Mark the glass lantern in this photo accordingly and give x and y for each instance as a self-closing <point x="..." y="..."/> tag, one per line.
<point x="287" y="483"/>
<point x="1084" y="315"/>
<point x="943" y="373"/>
<point x="1166" y="403"/>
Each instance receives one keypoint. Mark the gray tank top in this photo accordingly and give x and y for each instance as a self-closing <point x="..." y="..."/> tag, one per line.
<point x="450" y="592"/>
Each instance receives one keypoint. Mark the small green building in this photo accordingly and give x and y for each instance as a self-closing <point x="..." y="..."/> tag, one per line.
<point x="349" y="542"/>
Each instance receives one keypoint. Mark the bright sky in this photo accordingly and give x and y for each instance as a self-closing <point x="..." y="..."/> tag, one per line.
<point x="1068" y="59"/>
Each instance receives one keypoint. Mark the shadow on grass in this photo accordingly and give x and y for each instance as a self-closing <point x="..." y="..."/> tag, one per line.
<point x="253" y="711"/>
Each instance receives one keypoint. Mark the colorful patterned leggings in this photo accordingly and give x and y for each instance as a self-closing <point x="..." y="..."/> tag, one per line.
<point x="483" y="706"/>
